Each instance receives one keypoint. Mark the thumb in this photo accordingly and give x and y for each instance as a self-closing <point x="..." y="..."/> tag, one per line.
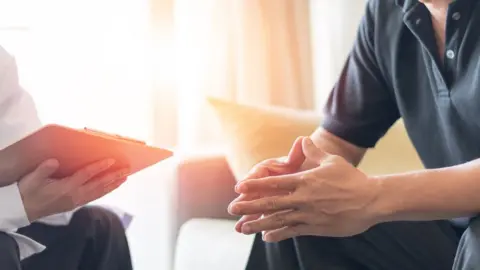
<point x="312" y="152"/>
<point x="44" y="170"/>
<point x="296" y="156"/>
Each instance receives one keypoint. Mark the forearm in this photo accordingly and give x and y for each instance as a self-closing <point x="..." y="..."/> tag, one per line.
<point x="430" y="194"/>
<point x="334" y="145"/>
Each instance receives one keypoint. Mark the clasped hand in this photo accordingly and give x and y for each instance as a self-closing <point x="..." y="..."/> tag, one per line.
<point x="333" y="198"/>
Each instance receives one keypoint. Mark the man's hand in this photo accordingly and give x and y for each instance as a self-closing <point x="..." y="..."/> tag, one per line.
<point x="332" y="199"/>
<point x="271" y="167"/>
<point x="43" y="196"/>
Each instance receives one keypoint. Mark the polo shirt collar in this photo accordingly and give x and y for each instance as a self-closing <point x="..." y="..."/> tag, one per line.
<point x="406" y="5"/>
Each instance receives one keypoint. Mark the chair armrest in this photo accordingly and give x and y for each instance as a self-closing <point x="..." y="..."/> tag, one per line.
<point x="205" y="188"/>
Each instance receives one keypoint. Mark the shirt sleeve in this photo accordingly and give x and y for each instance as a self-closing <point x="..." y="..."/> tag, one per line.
<point x="12" y="211"/>
<point x="18" y="114"/>
<point x="361" y="107"/>
<point x="18" y="117"/>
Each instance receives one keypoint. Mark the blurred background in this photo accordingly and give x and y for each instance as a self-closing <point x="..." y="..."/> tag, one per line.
<point x="142" y="68"/>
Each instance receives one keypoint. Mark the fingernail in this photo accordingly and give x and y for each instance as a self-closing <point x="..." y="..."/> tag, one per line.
<point x="123" y="173"/>
<point x="246" y="229"/>
<point x="235" y="209"/>
<point x="240" y="188"/>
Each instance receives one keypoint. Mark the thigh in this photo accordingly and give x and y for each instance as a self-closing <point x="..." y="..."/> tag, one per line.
<point x="392" y="246"/>
<point x="468" y="253"/>
<point x="9" y="253"/>
<point x="64" y="244"/>
<point x="405" y="246"/>
<point x="94" y="239"/>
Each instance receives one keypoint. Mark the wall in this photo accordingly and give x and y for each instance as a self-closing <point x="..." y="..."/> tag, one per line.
<point x="334" y="27"/>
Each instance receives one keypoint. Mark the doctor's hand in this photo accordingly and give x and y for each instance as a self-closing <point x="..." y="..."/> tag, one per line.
<point x="271" y="167"/>
<point x="334" y="199"/>
<point x="44" y="196"/>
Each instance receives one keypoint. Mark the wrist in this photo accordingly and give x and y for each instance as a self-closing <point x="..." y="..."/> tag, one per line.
<point x="31" y="211"/>
<point x="385" y="204"/>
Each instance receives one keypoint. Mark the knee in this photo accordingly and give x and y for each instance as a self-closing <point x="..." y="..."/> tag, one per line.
<point x="471" y="237"/>
<point x="469" y="247"/>
<point x="9" y="253"/>
<point x="472" y="234"/>
<point x="7" y="242"/>
<point x="99" y="222"/>
<point x="474" y="225"/>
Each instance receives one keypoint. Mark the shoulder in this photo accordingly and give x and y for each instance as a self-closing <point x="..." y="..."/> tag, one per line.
<point x="384" y="7"/>
<point x="381" y="19"/>
<point x="384" y="24"/>
<point x="383" y="11"/>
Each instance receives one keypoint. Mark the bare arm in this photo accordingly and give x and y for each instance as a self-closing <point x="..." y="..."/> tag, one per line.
<point x="334" y="145"/>
<point x="444" y="193"/>
<point x="430" y="194"/>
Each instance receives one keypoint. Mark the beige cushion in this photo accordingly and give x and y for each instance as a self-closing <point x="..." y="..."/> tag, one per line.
<point x="253" y="134"/>
<point x="394" y="153"/>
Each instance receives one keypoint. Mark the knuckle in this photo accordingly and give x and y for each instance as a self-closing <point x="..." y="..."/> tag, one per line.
<point x="279" y="219"/>
<point x="304" y="202"/>
<point x="272" y="204"/>
<point x="306" y="178"/>
<point x="335" y="159"/>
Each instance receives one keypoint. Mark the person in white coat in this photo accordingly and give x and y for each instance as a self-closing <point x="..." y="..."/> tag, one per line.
<point x="42" y="222"/>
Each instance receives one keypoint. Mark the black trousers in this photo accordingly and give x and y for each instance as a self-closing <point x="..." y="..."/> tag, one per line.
<point x="94" y="240"/>
<point x="389" y="246"/>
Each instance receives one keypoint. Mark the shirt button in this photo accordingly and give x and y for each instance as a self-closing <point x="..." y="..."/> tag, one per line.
<point x="456" y="16"/>
<point x="450" y="54"/>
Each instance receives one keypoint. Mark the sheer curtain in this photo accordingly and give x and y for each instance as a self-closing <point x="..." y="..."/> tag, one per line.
<point x="334" y="26"/>
<point x="255" y="51"/>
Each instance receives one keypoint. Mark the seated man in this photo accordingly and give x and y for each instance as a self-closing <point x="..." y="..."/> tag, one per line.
<point x="36" y="230"/>
<point x="412" y="59"/>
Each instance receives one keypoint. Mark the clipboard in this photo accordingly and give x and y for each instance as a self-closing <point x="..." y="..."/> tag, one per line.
<point x="75" y="149"/>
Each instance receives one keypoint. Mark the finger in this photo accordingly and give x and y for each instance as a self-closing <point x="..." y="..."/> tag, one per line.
<point x="280" y="183"/>
<point x="274" y="221"/>
<point x="101" y="191"/>
<point x="45" y="170"/>
<point x="312" y="152"/>
<point x="296" y="156"/>
<point x="258" y="171"/>
<point x="265" y="205"/>
<point x="268" y="168"/>
<point x="245" y="197"/>
<point x="286" y="233"/>
<point x="96" y="184"/>
<point x="245" y="219"/>
<point x="90" y="171"/>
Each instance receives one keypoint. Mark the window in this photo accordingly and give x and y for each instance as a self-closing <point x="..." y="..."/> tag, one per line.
<point x="86" y="63"/>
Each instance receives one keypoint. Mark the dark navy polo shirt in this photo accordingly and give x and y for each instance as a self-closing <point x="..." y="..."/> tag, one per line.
<point x="394" y="70"/>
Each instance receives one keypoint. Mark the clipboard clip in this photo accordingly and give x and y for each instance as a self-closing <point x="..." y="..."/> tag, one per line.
<point x="113" y="136"/>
